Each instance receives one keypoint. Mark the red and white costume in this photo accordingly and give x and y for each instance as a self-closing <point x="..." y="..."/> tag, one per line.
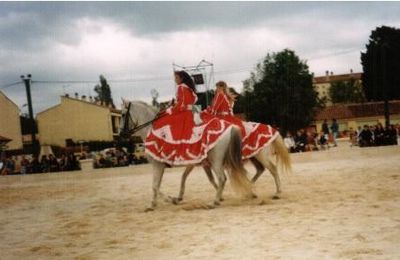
<point x="176" y="140"/>
<point x="255" y="136"/>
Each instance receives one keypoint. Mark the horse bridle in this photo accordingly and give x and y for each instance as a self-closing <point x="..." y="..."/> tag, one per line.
<point x="129" y="132"/>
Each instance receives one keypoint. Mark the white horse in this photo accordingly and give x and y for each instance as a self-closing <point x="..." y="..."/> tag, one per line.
<point x="260" y="160"/>
<point x="137" y="117"/>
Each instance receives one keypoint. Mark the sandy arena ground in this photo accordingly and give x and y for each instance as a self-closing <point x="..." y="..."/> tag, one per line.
<point x="338" y="204"/>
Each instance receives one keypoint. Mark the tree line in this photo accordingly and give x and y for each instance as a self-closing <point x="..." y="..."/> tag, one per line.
<point x="280" y="91"/>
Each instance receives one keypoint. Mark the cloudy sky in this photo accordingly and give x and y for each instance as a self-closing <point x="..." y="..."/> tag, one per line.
<point x="135" y="43"/>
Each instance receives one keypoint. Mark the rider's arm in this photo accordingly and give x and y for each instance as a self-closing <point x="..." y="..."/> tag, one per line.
<point x="180" y="100"/>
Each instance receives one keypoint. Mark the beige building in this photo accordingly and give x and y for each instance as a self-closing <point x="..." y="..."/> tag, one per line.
<point x="357" y="115"/>
<point x="10" y="125"/>
<point x="322" y="84"/>
<point x="77" y="120"/>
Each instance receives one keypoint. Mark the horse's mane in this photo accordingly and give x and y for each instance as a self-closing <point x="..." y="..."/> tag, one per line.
<point x="142" y="103"/>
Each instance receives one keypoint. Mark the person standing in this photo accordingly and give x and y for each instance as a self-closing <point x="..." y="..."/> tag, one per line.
<point x="335" y="131"/>
<point x="325" y="130"/>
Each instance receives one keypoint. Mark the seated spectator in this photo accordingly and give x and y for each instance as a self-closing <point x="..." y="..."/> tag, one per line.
<point x="63" y="162"/>
<point x="131" y="159"/>
<point x="323" y="142"/>
<point x="379" y="135"/>
<point x="289" y="142"/>
<point x="393" y="135"/>
<point x="311" y="142"/>
<point x="35" y="166"/>
<point x="353" y="137"/>
<point x="366" y="137"/>
<point x="82" y="156"/>
<point x="53" y="163"/>
<point x="300" y="141"/>
<point x="3" y="165"/>
<point x="24" y="165"/>
<point x="102" y="162"/>
<point x="44" y="163"/>
<point x="73" y="162"/>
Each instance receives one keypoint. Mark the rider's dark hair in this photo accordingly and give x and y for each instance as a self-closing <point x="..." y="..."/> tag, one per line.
<point x="186" y="79"/>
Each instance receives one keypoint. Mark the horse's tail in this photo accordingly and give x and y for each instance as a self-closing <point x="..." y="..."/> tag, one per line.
<point x="282" y="155"/>
<point x="233" y="161"/>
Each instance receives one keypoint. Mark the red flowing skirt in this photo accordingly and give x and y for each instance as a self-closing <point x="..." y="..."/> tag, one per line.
<point x="255" y="136"/>
<point x="176" y="140"/>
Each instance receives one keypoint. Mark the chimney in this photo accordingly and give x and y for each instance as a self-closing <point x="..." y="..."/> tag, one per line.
<point x="76" y="95"/>
<point x="327" y="75"/>
<point x="331" y="73"/>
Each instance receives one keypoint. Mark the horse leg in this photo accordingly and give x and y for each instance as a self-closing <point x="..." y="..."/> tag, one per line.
<point x="219" y="171"/>
<point x="185" y="174"/>
<point x="210" y="177"/>
<point x="266" y="162"/>
<point x="274" y="172"/>
<point x="259" y="169"/>
<point x="158" y="172"/>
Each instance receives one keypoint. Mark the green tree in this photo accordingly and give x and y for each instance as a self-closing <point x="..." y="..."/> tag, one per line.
<point x="103" y="91"/>
<point x="346" y="92"/>
<point x="381" y="64"/>
<point x="280" y="92"/>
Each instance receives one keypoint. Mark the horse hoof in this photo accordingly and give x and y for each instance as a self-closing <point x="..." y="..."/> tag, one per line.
<point x="276" y="197"/>
<point x="216" y="203"/>
<point x="208" y="206"/>
<point x="254" y="196"/>
<point x="149" y="209"/>
<point x="176" y="201"/>
<point x="221" y="199"/>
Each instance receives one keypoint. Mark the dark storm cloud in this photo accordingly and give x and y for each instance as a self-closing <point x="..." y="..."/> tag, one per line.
<point x="35" y="24"/>
<point x="80" y="40"/>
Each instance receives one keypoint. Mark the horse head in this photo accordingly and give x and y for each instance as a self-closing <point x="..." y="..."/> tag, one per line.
<point x="134" y="115"/>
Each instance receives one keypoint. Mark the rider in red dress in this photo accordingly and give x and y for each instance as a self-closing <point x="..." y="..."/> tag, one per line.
<point x="175" y="138"/>
<point x="255" y="136"/>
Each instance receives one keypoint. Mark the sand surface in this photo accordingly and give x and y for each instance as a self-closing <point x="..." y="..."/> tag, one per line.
<point x="338" y="204"/>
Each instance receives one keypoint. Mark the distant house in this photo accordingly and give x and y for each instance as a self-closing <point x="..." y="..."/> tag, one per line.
<point x="10" y="127"/>
<point x="355" y="115"/>
<point x="322" y="84"/>
<point x="77" y="120"/>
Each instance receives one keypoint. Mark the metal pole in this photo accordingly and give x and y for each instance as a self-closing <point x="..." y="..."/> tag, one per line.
<point x="27" y="82"/>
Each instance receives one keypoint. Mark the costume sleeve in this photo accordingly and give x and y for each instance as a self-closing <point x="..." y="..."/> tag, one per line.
<point x="216" y="104"/>
<point x="180" y="101"/>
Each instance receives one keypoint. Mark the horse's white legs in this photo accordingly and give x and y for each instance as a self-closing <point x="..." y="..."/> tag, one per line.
<point x="262" y="158"/>
<point x="219" y="171"/>
<point x="274" y="172"/>
<point x="185" y="174"/>
<point x="158" y="172"/>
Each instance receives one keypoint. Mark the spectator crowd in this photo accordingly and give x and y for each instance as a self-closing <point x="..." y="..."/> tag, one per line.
<point x="31" y="164"/>
<point x="375" y="135"/>
<point x="116" y="158"/>
<point x="309" y="140"/>
<point x="26" y="164"/>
